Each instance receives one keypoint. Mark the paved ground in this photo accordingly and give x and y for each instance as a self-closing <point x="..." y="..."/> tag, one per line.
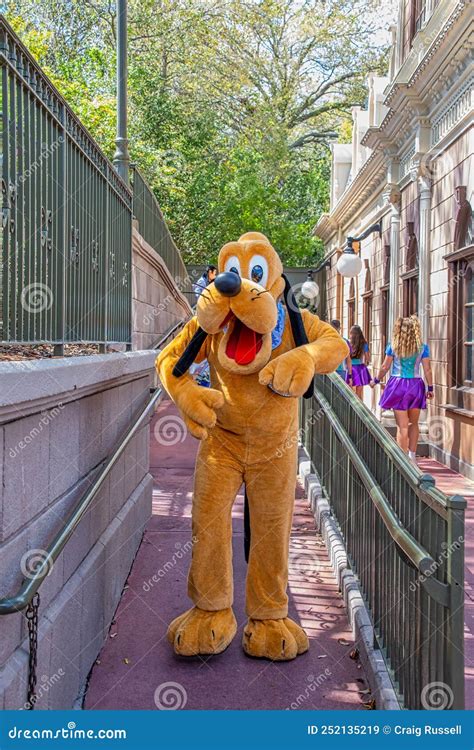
<point x="451" y="483"/>
<point x="137" y="660"/>
<point x="137" y="664"/>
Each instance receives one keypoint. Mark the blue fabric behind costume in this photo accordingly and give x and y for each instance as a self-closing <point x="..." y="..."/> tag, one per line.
<point x="277" y="333"/>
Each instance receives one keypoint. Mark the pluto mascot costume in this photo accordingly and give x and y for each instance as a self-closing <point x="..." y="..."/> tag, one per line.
<point x="262" y="357"/>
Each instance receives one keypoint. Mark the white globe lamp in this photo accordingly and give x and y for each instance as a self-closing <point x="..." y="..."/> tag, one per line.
<point x="309" y="288"/>
<point x="350" y="262"/>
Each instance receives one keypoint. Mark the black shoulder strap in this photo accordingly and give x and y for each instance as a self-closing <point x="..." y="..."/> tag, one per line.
<point x="190" y="353"/>
<point x="297" y="326"/>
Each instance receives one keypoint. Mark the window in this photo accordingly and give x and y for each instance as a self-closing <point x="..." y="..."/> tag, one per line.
<point x="385" y="335"/>
<point x="351" y="306"/>
<point x="463" y="230"/>
<point x="461" y="328"/>
<point x="410" y="277"/>
<point x="367" y="305"/>
<point x="417" y="17"/>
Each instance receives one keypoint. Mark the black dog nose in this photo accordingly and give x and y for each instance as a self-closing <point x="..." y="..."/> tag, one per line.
<point x="228" y="283"/>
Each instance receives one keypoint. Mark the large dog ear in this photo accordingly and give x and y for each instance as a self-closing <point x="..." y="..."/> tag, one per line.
<point x="296" y="322"/>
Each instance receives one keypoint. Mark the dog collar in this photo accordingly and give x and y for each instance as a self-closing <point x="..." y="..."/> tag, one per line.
<point x="277" y="333"/>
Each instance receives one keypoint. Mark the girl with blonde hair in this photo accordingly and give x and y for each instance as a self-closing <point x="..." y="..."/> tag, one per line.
<point x="405" y="391"/>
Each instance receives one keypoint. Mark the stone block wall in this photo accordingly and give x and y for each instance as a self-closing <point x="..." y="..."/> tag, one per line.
<point x="59" y="420"/>
<point x="158" y="301"/>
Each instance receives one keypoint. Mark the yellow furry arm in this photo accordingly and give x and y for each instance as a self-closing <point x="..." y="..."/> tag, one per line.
<point x="326" y="347"/>
<point x="198" y="405"/>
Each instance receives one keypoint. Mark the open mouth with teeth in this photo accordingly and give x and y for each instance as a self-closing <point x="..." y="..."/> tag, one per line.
<point x="243" y="343"/>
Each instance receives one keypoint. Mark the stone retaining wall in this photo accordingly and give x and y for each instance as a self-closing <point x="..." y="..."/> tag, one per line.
<point x="59" y="420"/>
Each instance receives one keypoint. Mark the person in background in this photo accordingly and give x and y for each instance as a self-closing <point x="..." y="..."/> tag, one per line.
<point x="341" y="370"/>
<point x="405" y="391"/>
<point x="208" y="276"/>
<point x="357" y="374"/>
<point x="201" y="372"/>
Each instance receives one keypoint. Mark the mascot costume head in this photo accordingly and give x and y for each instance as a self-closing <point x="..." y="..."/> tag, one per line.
<point x="262" y="357"/>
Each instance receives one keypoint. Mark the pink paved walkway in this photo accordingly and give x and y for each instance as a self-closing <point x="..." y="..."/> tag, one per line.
<point x="137" y="660"/>
<point x="451" y="483"/>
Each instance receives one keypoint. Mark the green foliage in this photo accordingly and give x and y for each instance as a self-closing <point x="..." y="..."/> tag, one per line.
<point x="232" y="105"/>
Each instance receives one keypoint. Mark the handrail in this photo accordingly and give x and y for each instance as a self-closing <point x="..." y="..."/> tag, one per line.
<point x="417" y="480"/>
<point x="413" y="550"/>
<point x="30" y="585"/>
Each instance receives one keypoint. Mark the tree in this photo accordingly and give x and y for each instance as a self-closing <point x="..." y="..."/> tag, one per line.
<point x="232" y="103"/>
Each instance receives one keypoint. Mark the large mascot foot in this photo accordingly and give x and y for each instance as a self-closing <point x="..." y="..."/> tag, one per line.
<point x="278" y="640"/>
<point x="200" y="632"/>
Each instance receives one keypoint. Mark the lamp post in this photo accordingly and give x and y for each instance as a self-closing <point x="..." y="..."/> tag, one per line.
<point x="121" y="156"/>
<point x="350" y="262"/>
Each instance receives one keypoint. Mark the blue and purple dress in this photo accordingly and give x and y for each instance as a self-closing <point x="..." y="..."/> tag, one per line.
<point x="405" y="388"/>
<point x="360" y="373"/>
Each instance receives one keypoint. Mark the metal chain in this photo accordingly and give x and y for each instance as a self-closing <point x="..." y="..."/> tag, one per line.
<point x="32" y="617"/>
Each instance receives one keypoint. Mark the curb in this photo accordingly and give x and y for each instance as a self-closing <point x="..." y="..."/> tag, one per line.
<point x="357" y="612"/>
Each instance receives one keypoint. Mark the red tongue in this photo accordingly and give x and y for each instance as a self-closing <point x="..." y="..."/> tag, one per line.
<point x="243" y="344"/>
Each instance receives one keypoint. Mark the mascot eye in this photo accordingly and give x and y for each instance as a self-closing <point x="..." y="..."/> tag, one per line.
<point x="232" y="264"/>
<point x="258" y="267"/>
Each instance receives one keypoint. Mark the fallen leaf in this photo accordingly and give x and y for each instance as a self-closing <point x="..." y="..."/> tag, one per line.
<point x="370" y="706"/>
<point x="354" y="654"/>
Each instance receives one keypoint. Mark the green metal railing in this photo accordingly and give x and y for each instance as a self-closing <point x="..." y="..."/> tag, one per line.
<point x="154" y="230"/>
<point x="404" y="540"/>
<point x="65" y="255"/>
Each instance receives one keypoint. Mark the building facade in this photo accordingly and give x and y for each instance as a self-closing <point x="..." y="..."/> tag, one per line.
<point x="410" y="167"/>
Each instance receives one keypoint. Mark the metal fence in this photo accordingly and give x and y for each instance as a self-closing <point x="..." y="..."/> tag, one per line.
<point x="65" y="271"/>
<point x="404" y="539"/>
<point x="154" y="230"/>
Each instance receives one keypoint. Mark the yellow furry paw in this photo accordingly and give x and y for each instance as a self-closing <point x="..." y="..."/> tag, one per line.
<point x="200" y="632"/>
<point x="278" y="640"/>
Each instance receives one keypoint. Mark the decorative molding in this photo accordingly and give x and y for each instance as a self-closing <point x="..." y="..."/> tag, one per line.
<point x="457" y="107"/>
